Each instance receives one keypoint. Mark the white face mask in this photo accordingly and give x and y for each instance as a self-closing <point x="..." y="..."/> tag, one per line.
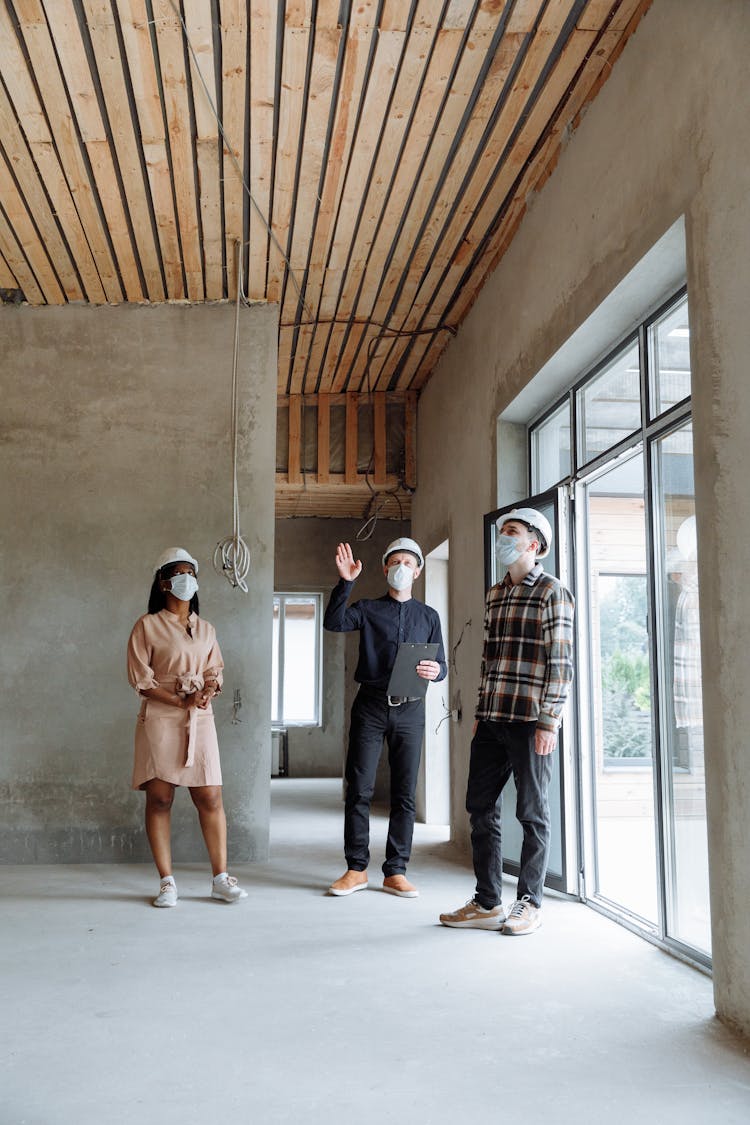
<point x="508" y="550"/>
<point x="400" y="577"/>
<point x="183" y="586"/>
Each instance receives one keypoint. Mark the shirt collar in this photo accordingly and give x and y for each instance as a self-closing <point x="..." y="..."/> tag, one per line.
<point x="530" y="579"/>
<point x="174" y="616"/>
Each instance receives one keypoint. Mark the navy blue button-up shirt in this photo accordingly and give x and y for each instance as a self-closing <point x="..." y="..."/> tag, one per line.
<point x="383" y="624"/>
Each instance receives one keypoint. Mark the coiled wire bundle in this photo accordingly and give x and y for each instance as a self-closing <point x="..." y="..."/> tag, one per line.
<point x="232" y="555"/>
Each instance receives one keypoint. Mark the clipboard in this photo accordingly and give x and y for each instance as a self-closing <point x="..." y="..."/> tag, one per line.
<point x="404" y="681"/>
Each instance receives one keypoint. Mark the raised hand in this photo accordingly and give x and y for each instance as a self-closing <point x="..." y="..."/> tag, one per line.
<point x="345" y="564"/>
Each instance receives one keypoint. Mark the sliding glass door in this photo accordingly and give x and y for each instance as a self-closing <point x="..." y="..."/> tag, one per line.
<point x="620" y="746"/>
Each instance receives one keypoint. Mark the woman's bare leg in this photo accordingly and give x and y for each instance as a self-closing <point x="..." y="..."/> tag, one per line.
<point x="208" y="801"/>
<point x="159" y="797"/>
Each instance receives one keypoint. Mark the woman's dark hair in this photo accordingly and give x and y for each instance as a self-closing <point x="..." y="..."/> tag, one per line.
<point x="157" y="599"/>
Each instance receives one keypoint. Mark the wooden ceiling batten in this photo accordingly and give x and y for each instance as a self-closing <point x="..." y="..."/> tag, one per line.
<point x="58" y="38"/>
<point x="263" y="19"/>
<point x="479" y="42"/>
<point x="497" y="165"/>
<point x="374" y="158"/>
<point x="232" y="109"/>
<point x="328" y="337"/>
<point x="136" y="34"/>
<point x="595" y="69"/>
<point x="177" y="116"/>
<point x="199" y="30"/>
<point x="29" y="242"/>
<point x="115" y="95"/>
<point x="30" y="186"/>
<point x="7" y="280"/>
<point x="355" y="298"/>
<point x="59" y="134"/>
<point x="18" y="263"/>
<point x="322" y="80"/>
<point x="428" y="64"/>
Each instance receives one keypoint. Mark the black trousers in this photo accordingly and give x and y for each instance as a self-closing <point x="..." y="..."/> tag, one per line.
<point x="372" y="721"/>
<point x="497" y="751"/>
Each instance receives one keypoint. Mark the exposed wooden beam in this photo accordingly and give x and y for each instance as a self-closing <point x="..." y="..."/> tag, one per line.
<point x="379" y="437"/>
<point x="352" y="438"/>
<point x="410" y="440"/>
<point x="324" y="438"/>
<point x="295" y="439"/>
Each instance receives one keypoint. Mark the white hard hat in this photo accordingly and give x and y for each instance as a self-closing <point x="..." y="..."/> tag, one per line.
<point x="532" y="518"/>
<point x="404" y="545"/>
<point x="174" y="554"/>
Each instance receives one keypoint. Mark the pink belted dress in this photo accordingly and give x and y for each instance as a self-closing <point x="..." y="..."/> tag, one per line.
<point x="174" y="745"/>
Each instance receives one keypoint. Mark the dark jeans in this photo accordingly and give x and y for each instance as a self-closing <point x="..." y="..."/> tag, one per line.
<point x="372" y="720"/>
<point x="497" y="750"/>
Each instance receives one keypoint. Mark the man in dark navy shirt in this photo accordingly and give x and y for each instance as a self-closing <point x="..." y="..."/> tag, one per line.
<point x="383" y="623"/>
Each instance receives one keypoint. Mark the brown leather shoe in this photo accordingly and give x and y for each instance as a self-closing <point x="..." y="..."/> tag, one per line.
<point x="400" y="885"/>
<point x="349" y="883"/>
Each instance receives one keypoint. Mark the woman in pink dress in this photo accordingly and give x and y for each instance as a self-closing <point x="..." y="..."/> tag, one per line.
<point x="175" y="665"/>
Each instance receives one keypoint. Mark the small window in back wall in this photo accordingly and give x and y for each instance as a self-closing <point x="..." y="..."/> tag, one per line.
<point x="295" y="685"/>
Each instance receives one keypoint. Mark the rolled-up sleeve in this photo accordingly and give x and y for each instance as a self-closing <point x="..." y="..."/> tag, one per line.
<point x="214" y="669"/>
<point x="140" y="673"/>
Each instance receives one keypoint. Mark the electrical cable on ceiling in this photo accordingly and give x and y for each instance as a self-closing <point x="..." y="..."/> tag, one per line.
<point x="232" y="555"/>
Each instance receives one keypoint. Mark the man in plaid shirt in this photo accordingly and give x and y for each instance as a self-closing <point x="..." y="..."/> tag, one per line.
<point x="527" y="668"/>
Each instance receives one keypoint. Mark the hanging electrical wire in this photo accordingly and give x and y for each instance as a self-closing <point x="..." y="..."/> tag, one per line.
<point x="232" y="555"/>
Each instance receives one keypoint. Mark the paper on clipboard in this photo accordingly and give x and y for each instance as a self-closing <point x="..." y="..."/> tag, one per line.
<point x="405" y="681"/>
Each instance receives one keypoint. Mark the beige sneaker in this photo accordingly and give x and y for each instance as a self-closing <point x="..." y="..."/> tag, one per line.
<point x="472" y="916"/>
<point x="523" y="917"/>
<point x="400" y="885"/>
<point x="349" y="882"/>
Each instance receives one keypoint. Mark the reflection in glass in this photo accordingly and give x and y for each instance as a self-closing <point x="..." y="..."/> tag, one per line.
<point x="669" y="344"/>
<point x="688" y="917"/>
<point x="551" y="450"/>
<point x="623" y="770"/>
<point x="609" y="405"/>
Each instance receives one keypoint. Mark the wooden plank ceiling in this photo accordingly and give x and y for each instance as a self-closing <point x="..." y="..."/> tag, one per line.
<point x="373" y="158"/>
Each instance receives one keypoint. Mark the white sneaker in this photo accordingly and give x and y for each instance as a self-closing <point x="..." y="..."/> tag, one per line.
<point x="523" y="917"/>
<point x="167" y="895"/>
<point x="472" y="916"/>
<point x="228" y="890"/>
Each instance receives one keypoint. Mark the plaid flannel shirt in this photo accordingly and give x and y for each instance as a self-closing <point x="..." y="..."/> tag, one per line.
<point x="527" y="663"/>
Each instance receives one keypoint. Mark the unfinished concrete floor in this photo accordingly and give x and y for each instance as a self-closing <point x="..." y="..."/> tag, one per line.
<point x="296" y="1007"/>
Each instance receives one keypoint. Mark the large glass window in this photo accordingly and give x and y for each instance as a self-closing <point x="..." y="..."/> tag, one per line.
<point x="682" y="706"/>
<point x="622" y="758"/>
<point x="609" y="404"/>
<point x="638" y="689"/>
<point x="551" y="449"/>
<point x="669" y="347"/>
<point x="295" y="690"/>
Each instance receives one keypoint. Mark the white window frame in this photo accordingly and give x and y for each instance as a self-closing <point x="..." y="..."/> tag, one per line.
<point x="277" y="671"/>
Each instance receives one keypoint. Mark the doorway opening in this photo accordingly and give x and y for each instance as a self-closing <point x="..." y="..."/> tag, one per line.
<point x="433" y="787"/>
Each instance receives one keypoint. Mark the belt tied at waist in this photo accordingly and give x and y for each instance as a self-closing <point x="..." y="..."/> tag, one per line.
<point x="189" y="685"/>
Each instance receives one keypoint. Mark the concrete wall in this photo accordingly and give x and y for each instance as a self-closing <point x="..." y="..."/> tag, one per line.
<point x="115" y="444"/>
<point x="305" y="550"/>
<point x="668" y="134"/>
